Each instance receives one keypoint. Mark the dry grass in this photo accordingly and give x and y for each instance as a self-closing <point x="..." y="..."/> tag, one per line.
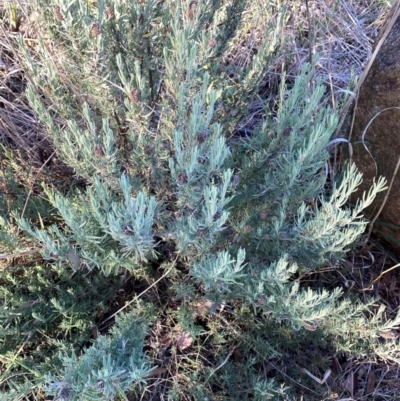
<point x="18" y="123"/>
<point x="342" y="33"/>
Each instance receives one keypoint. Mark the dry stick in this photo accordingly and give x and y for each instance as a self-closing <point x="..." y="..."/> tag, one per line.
<point x="380" y="276"/>
<point x="17" y="254"/>
<point x="331" y="81"/>
<point x="7" y="190"/>
<point x="222" y="364"/>
<point x="364" y="74"/>
<point x="310" y="34"/>
<point x="143" y="292"/>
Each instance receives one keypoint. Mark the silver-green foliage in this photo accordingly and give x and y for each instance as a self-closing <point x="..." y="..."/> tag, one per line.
<point x="141" y="101"/>
<point x="112" y="365"/>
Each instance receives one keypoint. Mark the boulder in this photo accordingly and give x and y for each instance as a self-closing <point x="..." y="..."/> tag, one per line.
<point x="376" y="132"/>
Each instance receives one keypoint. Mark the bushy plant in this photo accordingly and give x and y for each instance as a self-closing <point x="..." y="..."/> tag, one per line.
<point x="211" y="224"/>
